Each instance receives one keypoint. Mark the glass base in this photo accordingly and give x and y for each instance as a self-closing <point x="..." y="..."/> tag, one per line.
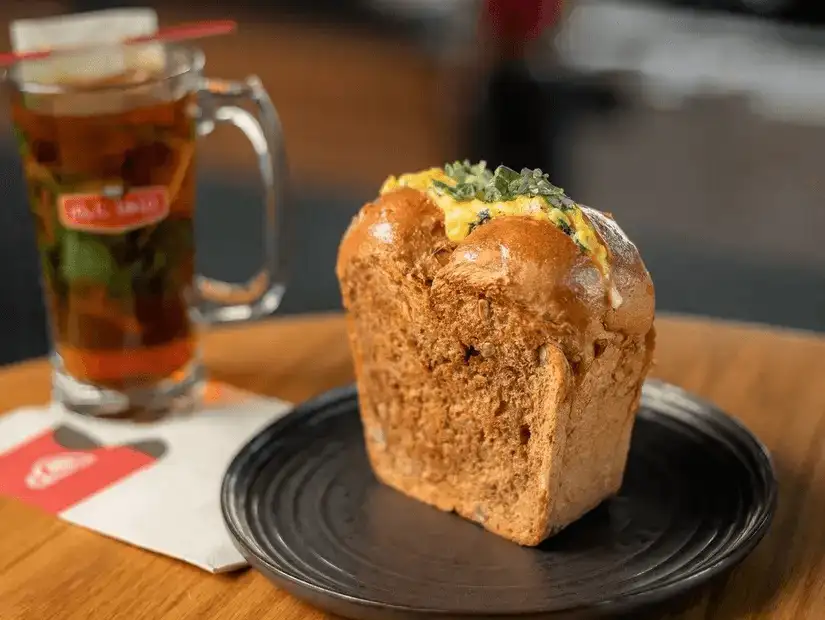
<point x="177" y="395"/>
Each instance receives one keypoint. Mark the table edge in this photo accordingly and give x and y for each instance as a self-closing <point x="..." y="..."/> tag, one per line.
<point x="692" y="319"/>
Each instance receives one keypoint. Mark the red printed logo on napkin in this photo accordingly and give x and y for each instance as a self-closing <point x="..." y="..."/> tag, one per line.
<point x="113" y="210"/>
<point x="62" y="467"/>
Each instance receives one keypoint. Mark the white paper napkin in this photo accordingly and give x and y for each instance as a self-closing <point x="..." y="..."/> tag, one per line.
<point x="153" y="485"/>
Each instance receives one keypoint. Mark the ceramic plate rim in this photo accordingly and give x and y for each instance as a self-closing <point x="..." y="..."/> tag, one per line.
<point x="656" y="593"/>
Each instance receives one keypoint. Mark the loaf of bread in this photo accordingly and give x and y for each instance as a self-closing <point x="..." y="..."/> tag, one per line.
<point x="501" y="334"/>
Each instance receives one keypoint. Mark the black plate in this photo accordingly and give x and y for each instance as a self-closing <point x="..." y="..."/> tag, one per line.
<point x="303" y="507"/>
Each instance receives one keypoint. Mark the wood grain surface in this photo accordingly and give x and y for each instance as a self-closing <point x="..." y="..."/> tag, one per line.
<point x="770" y="379"/>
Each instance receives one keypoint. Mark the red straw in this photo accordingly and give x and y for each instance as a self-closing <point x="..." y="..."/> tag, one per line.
<point x="182" y="32"/>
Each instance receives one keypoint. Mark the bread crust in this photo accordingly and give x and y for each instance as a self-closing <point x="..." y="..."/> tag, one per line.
<point x="498" y="376"/>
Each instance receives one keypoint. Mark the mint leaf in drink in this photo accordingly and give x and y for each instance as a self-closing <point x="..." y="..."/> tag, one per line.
<point x="173" y="239"/>
<point x="20" y="139"/>
<point x="167" y="255"/>
<point x="47" y="268"/>
<point x="85" y="258"/>
<point x="122" y="283"/>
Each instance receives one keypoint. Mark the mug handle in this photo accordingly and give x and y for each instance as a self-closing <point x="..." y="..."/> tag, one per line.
<point x="219" y="102"/>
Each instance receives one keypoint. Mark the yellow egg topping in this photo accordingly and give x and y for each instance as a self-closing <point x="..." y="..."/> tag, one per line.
<point x="471" y="195"/>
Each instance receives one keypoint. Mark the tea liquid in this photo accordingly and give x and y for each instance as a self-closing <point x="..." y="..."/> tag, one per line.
<point x="112" y="194"/>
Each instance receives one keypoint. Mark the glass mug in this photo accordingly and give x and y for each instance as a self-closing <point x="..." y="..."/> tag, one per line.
<point x="109" y="165"/>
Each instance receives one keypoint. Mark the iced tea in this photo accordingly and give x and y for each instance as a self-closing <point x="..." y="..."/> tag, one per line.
<point x="111" y="190"/>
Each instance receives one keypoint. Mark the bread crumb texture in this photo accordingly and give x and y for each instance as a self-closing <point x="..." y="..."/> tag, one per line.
<point x="498" y="376"/>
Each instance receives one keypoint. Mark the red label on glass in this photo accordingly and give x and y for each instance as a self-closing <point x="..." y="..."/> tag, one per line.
<point x="113" y="210"/>
<point x="62" y="467"/>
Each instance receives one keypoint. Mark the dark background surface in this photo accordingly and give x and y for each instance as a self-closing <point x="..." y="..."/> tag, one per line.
<point x="387" y="113"/>
<point x="687" y="278"/>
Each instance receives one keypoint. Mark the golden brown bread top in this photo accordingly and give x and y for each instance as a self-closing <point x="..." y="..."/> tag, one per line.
<point x="532" y="261"/>
<point x="471" y="195"/>
<point x="404" y="227"/>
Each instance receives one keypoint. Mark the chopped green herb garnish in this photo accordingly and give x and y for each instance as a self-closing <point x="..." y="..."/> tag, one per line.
<point x="483" y="217"/>
<point x="475" y="181"/>
<point x="22" y="143"/>
<point x="470" y="180"/>
<point x="565" y="228"/>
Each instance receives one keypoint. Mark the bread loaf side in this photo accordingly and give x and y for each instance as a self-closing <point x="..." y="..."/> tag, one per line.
<point x="499" y="373"/>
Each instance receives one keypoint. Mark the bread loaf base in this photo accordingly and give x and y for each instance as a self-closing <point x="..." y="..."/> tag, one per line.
<point x="480" y="392"/>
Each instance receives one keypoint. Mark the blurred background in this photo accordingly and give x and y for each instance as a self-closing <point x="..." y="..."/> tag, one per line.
<point x="698" y="123"/>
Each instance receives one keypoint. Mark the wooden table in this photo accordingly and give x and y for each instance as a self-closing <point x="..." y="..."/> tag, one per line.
<point x="50" y="570"/>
